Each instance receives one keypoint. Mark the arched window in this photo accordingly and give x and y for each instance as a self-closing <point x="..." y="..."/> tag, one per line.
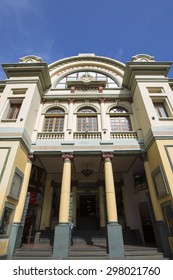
<point x="86" y="76"/>
<point x="119" y="118"/>
<point x="87" y="119"/>
<point x="54" y="120"/>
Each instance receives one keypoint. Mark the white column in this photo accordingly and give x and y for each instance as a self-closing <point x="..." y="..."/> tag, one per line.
<point x="103" y="114"/>
<point x="138" y="129"/>
<point x="35" y="131"/>
<point x="70" y="115"/>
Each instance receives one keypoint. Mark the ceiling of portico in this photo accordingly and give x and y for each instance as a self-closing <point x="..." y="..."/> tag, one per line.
<point x="121" y="164"/>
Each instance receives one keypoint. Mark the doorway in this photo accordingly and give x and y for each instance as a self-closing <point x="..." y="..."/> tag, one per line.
<point x="146" y="224"/>
<point x="87" y="219"/>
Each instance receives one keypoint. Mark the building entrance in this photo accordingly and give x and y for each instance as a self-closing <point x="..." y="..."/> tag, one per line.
<point x="87" y="206"/>
<point x="87" y="214"/>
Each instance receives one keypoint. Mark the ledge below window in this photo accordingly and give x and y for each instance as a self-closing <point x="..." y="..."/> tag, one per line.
<point x="9" y="120"/>
<point x="166" y="119"/>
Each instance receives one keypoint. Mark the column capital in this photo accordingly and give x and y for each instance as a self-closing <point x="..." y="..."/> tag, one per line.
<point x="43" y="101"/>
<point x="107" y="156"/>
<point x="143" y="157"/>
<point x="67" y="157"/>
<point x="31" y="158"/>
<point x="71" y="100"/>
<point x="102" y="100"/>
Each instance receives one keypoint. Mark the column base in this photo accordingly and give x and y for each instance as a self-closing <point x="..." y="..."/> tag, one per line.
<point x="163" y="238"/>
<point x="115" y="241"/>
<point x="61" y="241"/>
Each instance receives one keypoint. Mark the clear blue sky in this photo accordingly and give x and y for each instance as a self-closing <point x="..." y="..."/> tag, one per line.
<point x="54" y="29"/>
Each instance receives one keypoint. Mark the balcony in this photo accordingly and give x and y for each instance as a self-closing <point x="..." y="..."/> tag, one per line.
<point x="123" y="135"/>
<point x="87" y="135"/>
<point x="51" y="136"/>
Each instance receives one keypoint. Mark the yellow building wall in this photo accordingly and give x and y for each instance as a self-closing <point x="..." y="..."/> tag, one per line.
<point x="157" y="155"/>
<point x="3" y="246"/>
<point x="166" y="155"/>
<point x="8" y="171"/>
<point x="17" y="158"/>
<point x="21" y="158"/>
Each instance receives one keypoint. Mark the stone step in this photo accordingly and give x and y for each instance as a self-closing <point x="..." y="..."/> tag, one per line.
<point x="15" y="257"/>
<point x="33" y="251"/>
<point x="87" y="251"/>
<point x="86" y="248"/>
<point x="145" y="257"/>
<point x="141" y="253"/>
<point x="88" y="254"/>
<point x="88" y="258"/>
<point x="91" y="241"/>
<point x="44" y="240"/>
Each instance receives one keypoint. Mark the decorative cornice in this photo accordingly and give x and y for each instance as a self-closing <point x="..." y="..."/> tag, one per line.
<point x="150" y="69"/>
<point x="28" y="72"/>
<point x="92" y="96"/>
<point x="2" y="86"/>
<point x="16" y="134"/>
<point x="153" y="135"/>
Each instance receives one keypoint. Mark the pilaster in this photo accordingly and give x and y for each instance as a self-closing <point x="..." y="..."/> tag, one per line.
<point x="103" y="119"/>
<point x="69" y="132"/>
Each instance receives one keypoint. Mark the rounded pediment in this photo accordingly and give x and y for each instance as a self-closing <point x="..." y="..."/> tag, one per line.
<point x="87" y="63"/>
<point x="143" y="58"/>
<point x="30" y="59"/>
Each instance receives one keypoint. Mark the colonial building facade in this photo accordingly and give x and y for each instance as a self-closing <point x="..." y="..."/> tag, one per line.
<point x="86" y="140"/>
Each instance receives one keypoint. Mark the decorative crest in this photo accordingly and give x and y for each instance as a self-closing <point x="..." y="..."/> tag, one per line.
<point x="86" y="78"/>
<point x="30" y="59"/>
<point x="143" y="58"/>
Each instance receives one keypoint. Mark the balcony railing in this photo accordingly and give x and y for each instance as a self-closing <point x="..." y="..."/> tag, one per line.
<point x="50" y="135"/>
<point x="87" y="135"/>
<point x="123" y="135"/>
